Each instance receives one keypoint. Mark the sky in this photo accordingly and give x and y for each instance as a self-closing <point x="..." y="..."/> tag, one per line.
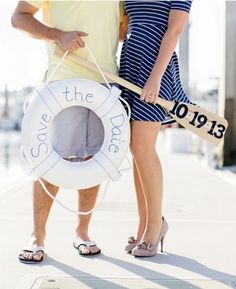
<point x="23" y="59"/>
<point x="206" y="41"/>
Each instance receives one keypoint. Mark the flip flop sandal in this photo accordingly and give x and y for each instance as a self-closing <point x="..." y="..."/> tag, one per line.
<point x="89" y="244"/>
<point x="34" y="249"/>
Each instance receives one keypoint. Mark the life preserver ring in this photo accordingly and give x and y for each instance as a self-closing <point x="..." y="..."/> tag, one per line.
<point x="48" y="102"/>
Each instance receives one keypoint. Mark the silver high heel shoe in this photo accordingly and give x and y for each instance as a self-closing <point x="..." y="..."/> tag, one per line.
<point x="132" y="243"/>
<point x="145" y="249"/>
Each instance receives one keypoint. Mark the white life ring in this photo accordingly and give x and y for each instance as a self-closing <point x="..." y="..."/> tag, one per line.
<point x="48" y="102"/>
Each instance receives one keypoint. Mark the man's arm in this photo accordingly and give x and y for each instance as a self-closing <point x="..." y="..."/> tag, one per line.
<point x="23" y="19"/>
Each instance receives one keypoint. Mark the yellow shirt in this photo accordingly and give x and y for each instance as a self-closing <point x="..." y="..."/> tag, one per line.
<point x="100" y="19"/>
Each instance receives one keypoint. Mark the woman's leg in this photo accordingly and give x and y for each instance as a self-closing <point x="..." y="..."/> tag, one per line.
<point x="143" y="143"/>
<point x="141" y="203"/>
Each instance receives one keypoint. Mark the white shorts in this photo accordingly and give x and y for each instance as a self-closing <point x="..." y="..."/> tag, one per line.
<point x="77" y="132"/>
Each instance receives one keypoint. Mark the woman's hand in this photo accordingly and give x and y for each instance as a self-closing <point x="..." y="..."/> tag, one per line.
<point x="151" y="89"/>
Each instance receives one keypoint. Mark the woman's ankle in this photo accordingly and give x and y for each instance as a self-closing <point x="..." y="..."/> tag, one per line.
<point x="140" y="233"/>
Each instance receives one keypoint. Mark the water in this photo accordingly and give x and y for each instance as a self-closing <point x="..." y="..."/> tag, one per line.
<point x="12" y="168"/>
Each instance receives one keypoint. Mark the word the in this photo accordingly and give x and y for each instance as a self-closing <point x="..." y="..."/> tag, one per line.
<point x="75" y="95"/>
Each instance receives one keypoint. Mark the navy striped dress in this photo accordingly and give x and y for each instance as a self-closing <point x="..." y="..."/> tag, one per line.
<point x="148" y="22"/>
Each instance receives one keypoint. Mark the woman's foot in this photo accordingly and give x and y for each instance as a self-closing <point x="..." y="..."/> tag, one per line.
<point x="147" y="249"/>
<point x="132" y="243"/>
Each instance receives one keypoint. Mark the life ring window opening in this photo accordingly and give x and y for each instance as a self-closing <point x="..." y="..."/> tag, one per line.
<point x="81" y="130"/>
<point x="49" y="101"/>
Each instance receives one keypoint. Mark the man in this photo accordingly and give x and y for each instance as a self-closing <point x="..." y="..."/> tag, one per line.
<point x="71" y="24"/>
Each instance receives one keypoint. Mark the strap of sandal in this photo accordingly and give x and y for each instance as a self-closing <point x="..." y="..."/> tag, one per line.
<point x="34" y="249"/>
<point x="31" y="247"/>
<point x="79" y="242"/>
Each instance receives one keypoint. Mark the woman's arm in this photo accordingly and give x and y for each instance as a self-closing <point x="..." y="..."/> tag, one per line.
<point x="176" y="23"/>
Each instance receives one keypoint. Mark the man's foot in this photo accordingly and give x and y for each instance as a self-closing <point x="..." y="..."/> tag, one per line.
<point x="32" y="253"/>
<point x="86" y="248"/>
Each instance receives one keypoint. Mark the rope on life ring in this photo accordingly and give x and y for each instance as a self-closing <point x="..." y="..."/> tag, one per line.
<point x="50" y="99"/>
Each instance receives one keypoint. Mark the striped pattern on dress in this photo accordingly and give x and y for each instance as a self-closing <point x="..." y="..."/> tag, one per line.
<point x="148" y="22"/>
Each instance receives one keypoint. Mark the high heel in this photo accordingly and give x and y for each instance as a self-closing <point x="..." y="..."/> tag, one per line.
<point x="132" y="243"/>
<point x="162" y="243"/>
<point x="145" y="249"/>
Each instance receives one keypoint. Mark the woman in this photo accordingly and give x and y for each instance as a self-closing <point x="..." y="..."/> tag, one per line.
<point x="149" y="61"/>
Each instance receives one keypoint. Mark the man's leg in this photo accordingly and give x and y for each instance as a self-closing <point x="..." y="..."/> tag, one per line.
<point x="94" y="135"/>
<point x="87" y="200"/>
<point x="41" y="208"/>
<point x="91" y="135"/>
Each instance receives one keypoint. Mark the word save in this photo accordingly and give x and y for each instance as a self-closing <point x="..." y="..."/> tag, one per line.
<point x="41" y="136"/>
